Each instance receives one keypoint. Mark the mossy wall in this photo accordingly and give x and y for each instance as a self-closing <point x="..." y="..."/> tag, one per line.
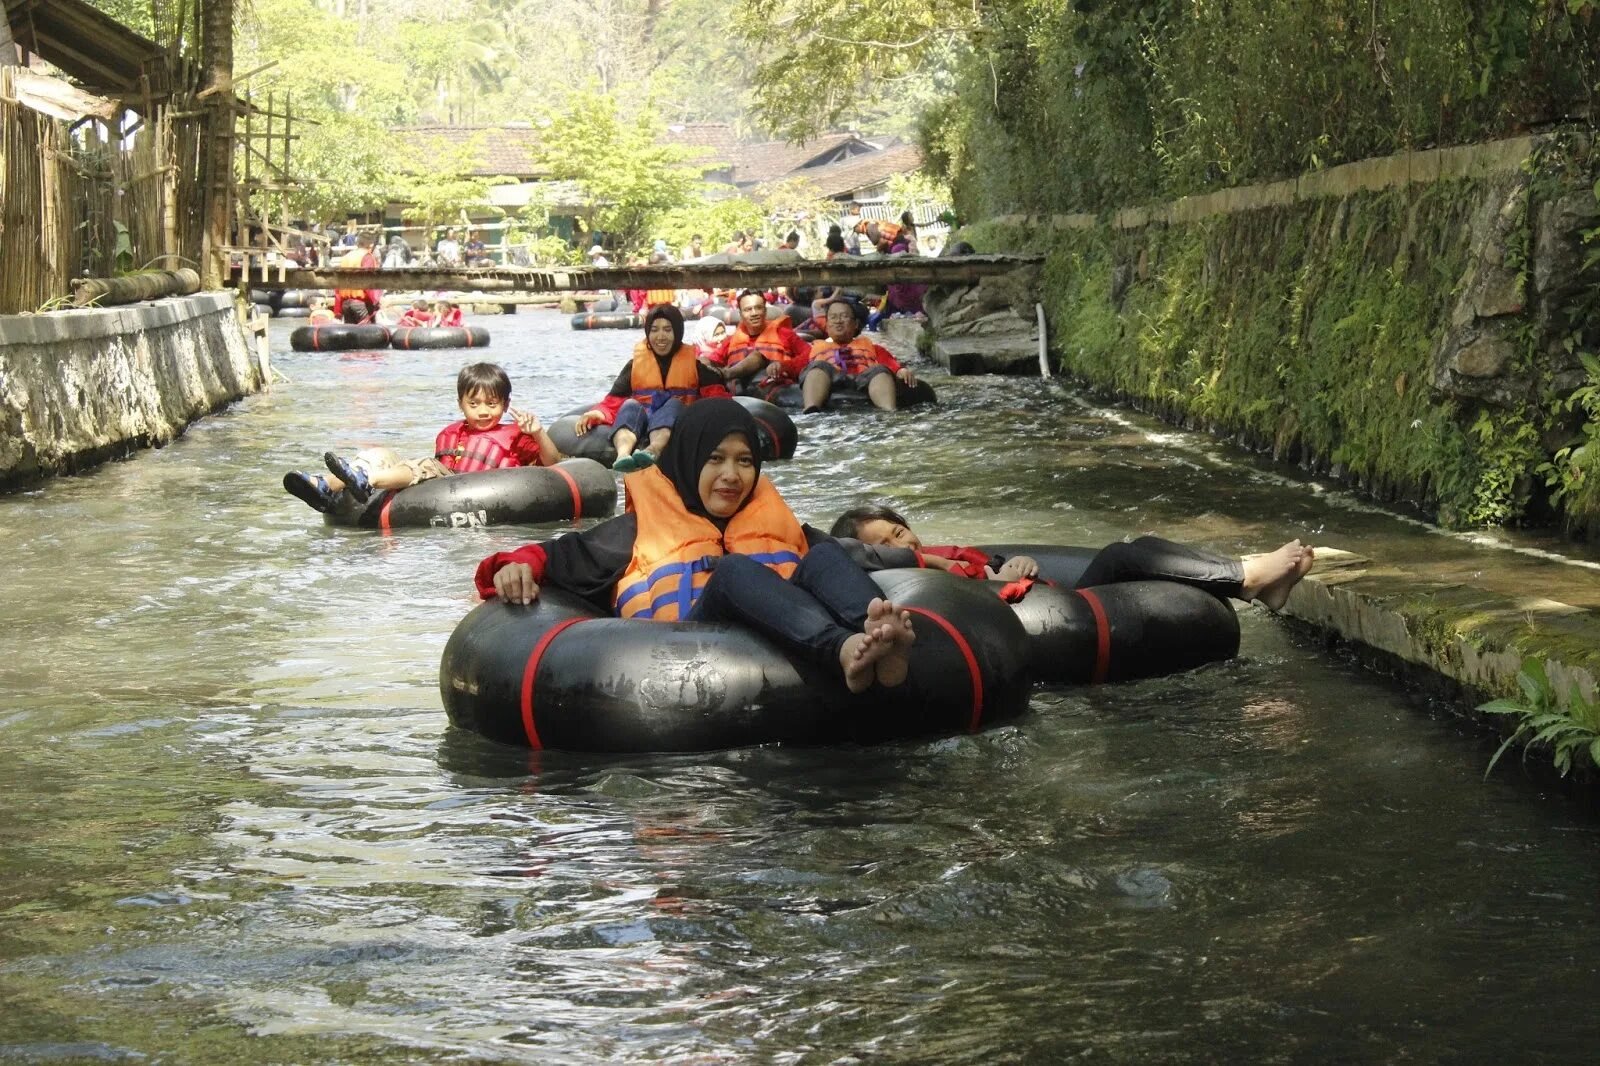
<point x="1398" y="338"/>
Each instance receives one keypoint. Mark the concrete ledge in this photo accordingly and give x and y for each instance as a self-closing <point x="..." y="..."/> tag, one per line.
<point x="91" y="323"/>
<point x="80" y="387"/>
<point x="1473" y="637"/>
<point x="1364" y="175"/>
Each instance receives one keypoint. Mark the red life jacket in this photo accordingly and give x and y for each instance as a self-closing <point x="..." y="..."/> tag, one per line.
<point x="850" y="358"/>
<point x="673" y="552"/>
<point x="683" y="376"/>
<point x="464" y="450"/>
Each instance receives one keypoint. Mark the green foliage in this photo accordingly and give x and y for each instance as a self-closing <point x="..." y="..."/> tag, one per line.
<point x="1093" y="105"/>
<point x="714" y="220"/>
<point x="631" y="178"/>
<point x="442" y="190"/>
<point x="1571" y="734"/>
<point x="821" y="62"/>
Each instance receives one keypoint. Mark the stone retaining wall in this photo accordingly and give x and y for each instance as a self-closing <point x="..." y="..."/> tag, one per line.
<point x="80" y="387"/>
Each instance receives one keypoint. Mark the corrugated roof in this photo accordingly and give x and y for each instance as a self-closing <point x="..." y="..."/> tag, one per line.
<point x="512" y="151"/>
<point x="770" y="160"/>
<point x="861" y="172"/>
<point x="716" y="136"/>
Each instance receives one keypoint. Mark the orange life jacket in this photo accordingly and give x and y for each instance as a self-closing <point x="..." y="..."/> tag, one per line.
<point x="354" y="259"/>
<point x="655" y="297"/>
<point x="683" y="376"/>
<point x="769" y="344"/>
<point x="464" y="451"/>
<point x="850" y="358"/>
<point x="674" y="550"/>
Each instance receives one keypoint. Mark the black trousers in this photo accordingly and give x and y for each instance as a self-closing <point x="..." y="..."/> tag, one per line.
<point x="810" y="614"/>
<point x="1154" y="559"/>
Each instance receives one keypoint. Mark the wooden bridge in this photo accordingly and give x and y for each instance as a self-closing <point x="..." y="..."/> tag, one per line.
<point x="769" y="270"/>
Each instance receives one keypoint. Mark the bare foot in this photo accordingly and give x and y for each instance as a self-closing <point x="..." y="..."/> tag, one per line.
<point x="858" y="669"/>
<point x="880" y="651"/>
<point x="1269" y="578"/>
<point x="894" y="631"/>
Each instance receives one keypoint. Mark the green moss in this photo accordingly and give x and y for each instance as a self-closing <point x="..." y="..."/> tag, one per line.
<point x="1309" y="330"/>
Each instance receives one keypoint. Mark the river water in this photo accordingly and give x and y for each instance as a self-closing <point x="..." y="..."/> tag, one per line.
<point x="237" y="827"/>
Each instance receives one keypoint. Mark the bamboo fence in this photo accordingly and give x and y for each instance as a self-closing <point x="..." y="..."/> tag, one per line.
<point x="90" y="199"/>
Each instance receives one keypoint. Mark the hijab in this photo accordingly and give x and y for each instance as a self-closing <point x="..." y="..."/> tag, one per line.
<point x="672" y="315"/>
<point x="695" y="435"/>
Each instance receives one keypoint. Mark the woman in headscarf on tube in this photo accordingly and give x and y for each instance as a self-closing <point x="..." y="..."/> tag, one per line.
<point x="706" y="538"/>
<point x="663" y="377"/>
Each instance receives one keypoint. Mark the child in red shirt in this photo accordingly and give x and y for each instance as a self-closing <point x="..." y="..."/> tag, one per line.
<point x="480" y="441"/>
<point x="1266" y="578"/>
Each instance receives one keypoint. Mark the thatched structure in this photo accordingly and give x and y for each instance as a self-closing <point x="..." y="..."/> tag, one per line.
<point x="100" y="175"/>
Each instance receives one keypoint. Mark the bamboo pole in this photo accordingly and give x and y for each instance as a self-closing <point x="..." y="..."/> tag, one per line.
<point x="132" y="288"/>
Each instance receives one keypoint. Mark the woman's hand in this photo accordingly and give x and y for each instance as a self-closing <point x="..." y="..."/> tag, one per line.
<point x="1017" y="567"/>
<point x="587" y="421"/>
<point x="528" y="422"/>
<point x="908" y="377"/>
<point x="515" y="584"/>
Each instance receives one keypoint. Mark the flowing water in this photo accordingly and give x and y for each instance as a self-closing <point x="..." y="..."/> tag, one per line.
<point x="237" y="826"/>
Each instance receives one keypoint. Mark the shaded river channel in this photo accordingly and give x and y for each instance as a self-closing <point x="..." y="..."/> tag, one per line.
<point x="238" y="829"/>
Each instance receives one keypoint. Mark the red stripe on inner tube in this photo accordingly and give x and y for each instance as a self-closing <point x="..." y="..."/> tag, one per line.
<point x="1102" y="646"/>
<point x="577" y="496"/>
<point x="971" y="659"/>
<point x="777" y="441"/>
<point x="383" y="513"/>
<point x="529" y="672"/>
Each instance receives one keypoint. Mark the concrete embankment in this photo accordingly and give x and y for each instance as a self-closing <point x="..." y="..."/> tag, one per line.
<point x="1461" y="632"/>
<point x="80" y="387"/>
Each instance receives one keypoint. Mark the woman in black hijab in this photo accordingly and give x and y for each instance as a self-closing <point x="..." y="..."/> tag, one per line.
<point x="663" y="377"/>
<point x="708" y="539"/>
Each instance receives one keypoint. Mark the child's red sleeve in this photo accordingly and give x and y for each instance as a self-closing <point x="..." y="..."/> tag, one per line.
<point x="609" y="406"/>
<point x="971" y="560"/>
<point x="526" y="449"/>
<point x="532" y="554"/>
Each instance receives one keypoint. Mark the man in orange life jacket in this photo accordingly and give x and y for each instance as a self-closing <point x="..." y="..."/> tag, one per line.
<point x="757" y="343"/>
<point x="480" y="441"/>
<point x="848" y="361"/>
<point x="357" y="305"/>
<point x="664" y="376"/>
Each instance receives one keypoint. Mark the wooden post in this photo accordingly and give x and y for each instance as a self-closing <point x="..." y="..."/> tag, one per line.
<point x="217" y="168"/>
<point x="8" y="46"/>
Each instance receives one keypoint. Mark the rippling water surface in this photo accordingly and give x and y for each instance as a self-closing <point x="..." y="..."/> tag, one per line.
<point x="237" y="827"/>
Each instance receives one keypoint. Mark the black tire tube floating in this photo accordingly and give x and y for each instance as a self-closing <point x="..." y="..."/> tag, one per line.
<point x="264" y="309"/>
<point x="605" y="305"/>
<point x="779" y="437"/>
<point x="607" y="320"/>
<point x="1120" y="632"/>
<point x="263" y="296"/>
<point x="420" y="337"/>
<point x="292" y="312"/>
<point x="854" y="399"/>
<point x="572" y="489"/>
<point x="557" y="674"/>
<point x="723" y="313"/>
<point x="301" y="297"/>
<point x="338" y="337"/>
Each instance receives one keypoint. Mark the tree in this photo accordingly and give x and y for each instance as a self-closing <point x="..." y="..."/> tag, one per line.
<point x="820" y="58"/>
<point x="629" y="178"/>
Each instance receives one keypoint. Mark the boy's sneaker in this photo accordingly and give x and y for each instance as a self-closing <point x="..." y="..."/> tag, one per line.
<point x="354" y="478"/>
<point x="312" y="489"/>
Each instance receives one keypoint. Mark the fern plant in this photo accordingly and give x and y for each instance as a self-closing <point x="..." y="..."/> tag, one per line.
<point x="1571" y="733"/>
